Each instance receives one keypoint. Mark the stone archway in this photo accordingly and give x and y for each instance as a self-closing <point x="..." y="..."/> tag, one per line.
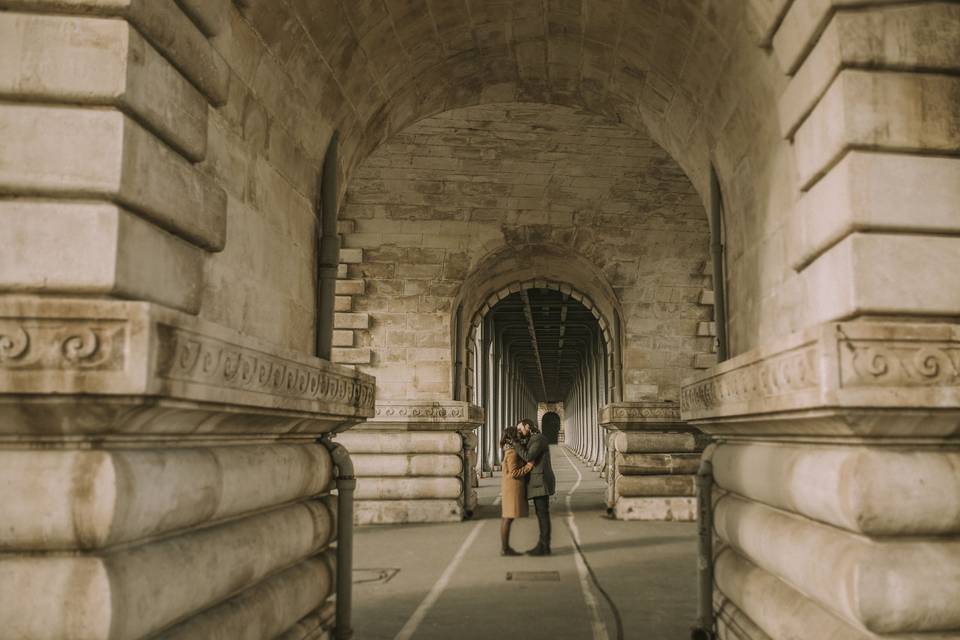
<point x="184" y="277"/>
<point x="550" y="425"/>
<point x="533" y="267"/>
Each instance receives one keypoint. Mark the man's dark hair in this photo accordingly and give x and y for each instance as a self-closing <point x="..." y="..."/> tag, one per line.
<point x="530" y="423"/>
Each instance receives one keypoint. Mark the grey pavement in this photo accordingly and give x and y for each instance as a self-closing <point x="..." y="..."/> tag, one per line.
<point x="648" y="570"/>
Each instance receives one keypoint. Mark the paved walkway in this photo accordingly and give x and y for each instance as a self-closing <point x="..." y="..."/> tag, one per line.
<point x="448" y="581"/>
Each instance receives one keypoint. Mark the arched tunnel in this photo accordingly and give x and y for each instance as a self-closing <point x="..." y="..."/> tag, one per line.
<point x="550" y="348"/>
<point x="277" y="275"/>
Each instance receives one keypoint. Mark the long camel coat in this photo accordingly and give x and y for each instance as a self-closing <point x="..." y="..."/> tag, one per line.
<point x="513" y="486"/>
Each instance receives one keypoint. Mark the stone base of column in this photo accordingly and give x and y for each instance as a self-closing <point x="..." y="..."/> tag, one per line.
<point x="415" y="462"/>
<point x="652" y="460"/>
<point x="660" y="509"/>
<point x="836" y="502"/>
<point x="161" y="475"/>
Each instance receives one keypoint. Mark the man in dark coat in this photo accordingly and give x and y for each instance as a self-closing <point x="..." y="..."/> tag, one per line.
<point x="541" y="483"/>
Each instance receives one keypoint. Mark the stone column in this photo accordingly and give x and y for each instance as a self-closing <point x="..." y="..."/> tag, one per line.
<point x="838" y="461"/>
<point x="653" y="459"/>
<point x="837" y="470"/>
<point x="161" y="474"/>
<point x="412" y="460"/>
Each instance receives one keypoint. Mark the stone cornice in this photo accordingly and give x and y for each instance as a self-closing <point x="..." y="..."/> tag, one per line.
<point x="854" y="366"/>
<point x="83" y="348"/>
<point x="650" y="415"/>
<point x="431" y="415"/>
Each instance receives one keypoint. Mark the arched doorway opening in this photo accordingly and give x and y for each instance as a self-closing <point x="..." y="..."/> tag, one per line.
<point x="541" y="341"/>
<point x="550" y="426"/>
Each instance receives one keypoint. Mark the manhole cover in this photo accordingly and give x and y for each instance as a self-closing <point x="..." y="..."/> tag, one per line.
<point x="534" y="576"/>
<point x="383" y="576"/>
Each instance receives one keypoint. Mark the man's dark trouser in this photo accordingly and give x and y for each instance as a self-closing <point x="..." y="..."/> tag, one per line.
<point x="542" y="506"/>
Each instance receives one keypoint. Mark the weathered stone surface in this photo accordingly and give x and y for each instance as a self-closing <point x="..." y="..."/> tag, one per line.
<point x="870" y="192"/>
<point x="835" y="371"/>
<point x="842" y="288"/>
<point x="802" y="24"/>
<point x="351" y="320"/>
<point x="882" y="111"/>
<point x="849" y="487"/>
<point x="351" y="355"/>
<point x="634" y="416"/>
<point x="407" y="464"/>
<point x="390" y="488"/>
<point x="86" y="152"/>
<point x="265" y="610"/>
<point x="400" y="443"/>
<point x="848" y="578"/>
<point x="413" y="415"/>
<point x="165" y="26"/>
<point x="315" y="626"/>
<point x="655" y="486"/>
<point x="92" y="499"/>
<point x="139" y="590"/>
<point x="210" y="15"/>
<point x="476" y="200"/>
<point x="350" y="288"/>
<point x="775" y="606"/>
<point x="632" y="442"/>
<point x="884" y="37"/>
<point x="637" y="464"/>
<point x="132" y="350"/>
<point x="656" y="509"/>
<point x="407" y="511"/>
<point x="100" y="61"/>
<point x="96" y="248"/>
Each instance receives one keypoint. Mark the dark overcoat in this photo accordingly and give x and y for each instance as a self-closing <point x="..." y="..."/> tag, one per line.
<point x="541" y="480"/>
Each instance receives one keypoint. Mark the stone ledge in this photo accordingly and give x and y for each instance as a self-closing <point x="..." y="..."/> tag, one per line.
<point x="144" y="356"/>
<point x="427" y="415"/>
<point x="861" y="368"/>
<point x="637" y="416"/>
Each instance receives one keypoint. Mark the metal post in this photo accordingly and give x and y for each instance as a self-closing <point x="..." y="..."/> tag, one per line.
<point x="704" y="629"/>
<point x="346" y="482"/>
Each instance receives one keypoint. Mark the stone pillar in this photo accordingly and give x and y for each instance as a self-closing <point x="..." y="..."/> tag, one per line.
<point x="837" y="506"/>
<point x="837" y="470"/>
<point x="653" y="459"/>
<point x="411" y="461"/>
<point x="161" y="474"/>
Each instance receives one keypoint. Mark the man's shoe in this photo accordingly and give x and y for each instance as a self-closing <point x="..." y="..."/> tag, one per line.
<point x="509" y="551"/>
<point x="539" y="550"/>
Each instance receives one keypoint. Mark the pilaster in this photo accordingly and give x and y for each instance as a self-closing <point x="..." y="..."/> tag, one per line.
<point x="171" y="461"/>
<point x="416" y="461"/>
<point x="840" y="442"/>
<point x="652" y="458"/>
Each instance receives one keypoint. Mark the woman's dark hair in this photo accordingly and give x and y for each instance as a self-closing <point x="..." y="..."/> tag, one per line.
<point x="510" y="435"/>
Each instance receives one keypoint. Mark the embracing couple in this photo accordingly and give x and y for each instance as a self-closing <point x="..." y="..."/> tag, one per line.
<point x="527" y="474"/>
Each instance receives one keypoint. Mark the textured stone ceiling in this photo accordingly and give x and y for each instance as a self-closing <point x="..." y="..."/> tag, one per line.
<point x="379" y="65"/>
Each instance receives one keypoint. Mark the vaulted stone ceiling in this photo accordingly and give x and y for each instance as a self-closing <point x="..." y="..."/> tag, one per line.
<point x="382" y="64"/>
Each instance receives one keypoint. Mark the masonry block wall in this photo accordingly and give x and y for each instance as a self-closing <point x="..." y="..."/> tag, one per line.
<point x="438" y="198"/>
<point x="157" y="174"/>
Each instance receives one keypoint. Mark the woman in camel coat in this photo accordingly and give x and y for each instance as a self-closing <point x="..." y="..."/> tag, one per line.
<point x="513" y="489"/>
